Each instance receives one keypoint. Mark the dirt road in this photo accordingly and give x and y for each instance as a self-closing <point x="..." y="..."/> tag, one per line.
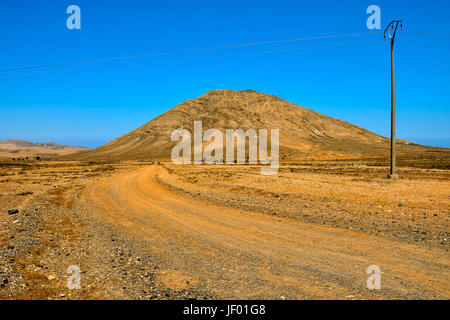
<point x="240" y="254"/>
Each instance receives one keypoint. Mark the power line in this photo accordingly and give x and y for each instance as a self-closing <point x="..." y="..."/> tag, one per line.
<point x="192" y="59"/>
<point x="431" y="45"/>
<point x="186" y="51"/>
<point x="443" y="35"/>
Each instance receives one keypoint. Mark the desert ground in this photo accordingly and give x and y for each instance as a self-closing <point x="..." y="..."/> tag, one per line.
<point x="155" y="230"/>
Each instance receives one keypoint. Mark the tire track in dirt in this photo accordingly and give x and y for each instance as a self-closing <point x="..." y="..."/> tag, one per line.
<point x="240" y="254"/>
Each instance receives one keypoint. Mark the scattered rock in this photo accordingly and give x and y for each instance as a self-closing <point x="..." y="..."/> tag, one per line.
<point x="13" y="211"/>
<point x="26" y="193"/>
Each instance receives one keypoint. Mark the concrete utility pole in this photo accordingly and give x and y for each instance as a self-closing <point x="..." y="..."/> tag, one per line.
<point x="393" y="25"/>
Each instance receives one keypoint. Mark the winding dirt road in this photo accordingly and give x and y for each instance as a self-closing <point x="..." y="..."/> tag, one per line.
<point x="240" y="254"/>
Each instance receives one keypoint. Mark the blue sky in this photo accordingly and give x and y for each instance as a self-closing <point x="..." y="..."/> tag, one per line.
<point x="350" y="82"/>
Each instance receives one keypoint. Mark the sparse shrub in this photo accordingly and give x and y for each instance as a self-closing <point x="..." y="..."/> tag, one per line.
<point x="104" y="169"/>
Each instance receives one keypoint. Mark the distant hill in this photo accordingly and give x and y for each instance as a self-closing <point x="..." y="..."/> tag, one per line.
<point x="22" y="149"/>
<point x="304" y="133"/>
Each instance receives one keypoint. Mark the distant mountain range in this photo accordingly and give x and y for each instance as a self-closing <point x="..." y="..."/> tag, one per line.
<point x="21" y="149"/>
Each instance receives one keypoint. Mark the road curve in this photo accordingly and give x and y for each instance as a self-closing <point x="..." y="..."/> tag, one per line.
<point x="244" y="255"/>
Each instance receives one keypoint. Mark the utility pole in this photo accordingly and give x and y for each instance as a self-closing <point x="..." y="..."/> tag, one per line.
<point x="391" y="33"/>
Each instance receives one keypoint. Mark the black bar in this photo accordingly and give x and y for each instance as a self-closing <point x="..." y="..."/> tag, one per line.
<point x="224" y="309"/>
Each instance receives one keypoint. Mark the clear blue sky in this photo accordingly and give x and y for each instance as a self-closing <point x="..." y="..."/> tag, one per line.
<point x="348" y="82"/>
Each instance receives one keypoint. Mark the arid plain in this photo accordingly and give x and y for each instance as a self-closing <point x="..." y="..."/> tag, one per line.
<point x="139" y="230"/>
<point x="140" y="227"/>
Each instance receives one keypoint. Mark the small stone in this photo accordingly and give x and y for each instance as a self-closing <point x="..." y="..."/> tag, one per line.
<point x="13" y="211"/>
